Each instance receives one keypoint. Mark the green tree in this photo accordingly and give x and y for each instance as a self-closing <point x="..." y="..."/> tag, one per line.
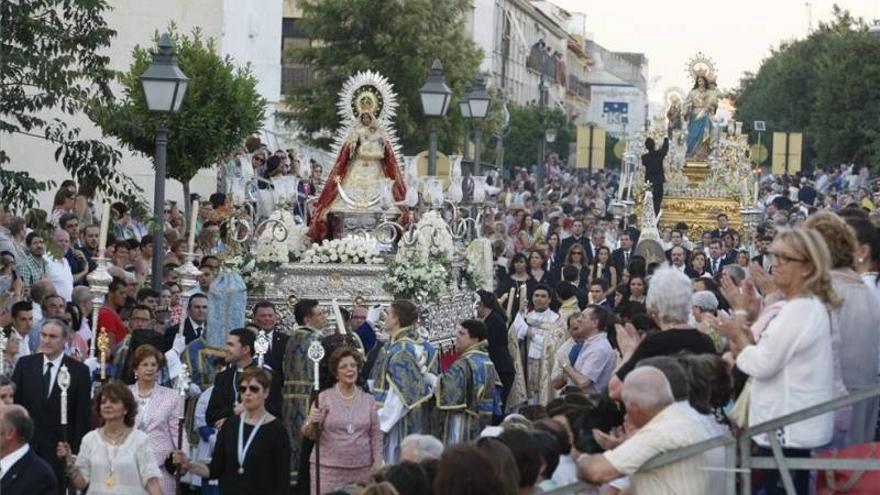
<point x="398" y="39"/>
<point x="52" y="59"/>
<point x="823" y="86"/>
<point x="521" y="142"/>
<point x="220" y="109"/>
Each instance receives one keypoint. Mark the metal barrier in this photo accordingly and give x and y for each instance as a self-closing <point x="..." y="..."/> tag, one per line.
<point x="744" y="465"/>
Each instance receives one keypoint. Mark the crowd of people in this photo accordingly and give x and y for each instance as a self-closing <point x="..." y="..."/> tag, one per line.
<point x="585" y="361"/>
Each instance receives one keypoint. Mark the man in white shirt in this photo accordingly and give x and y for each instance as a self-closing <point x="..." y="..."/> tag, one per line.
<point x="22" y="324"/>
<point x="662" y="427"/>
<point x="21" y="470"/>
<point x="58" y="269"/>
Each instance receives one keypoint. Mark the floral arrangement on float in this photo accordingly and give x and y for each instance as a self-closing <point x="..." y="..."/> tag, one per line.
<point x="478" y="270"/>
<point x="349" y="249"/>
<point x="282" y="240"/>
<point x="411" y="276"/>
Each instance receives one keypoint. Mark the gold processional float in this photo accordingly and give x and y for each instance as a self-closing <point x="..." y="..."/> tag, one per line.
<point x="707" y="169"/>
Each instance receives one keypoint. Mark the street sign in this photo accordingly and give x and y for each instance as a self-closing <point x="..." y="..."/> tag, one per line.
<point x="759" y="126"/>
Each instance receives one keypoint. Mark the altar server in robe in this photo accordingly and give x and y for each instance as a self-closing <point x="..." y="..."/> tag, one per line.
<point x="403" y="378"/>
<point x="537" y="330"/>
<point x="298" y="372"/>
<point x="469" y="392"/>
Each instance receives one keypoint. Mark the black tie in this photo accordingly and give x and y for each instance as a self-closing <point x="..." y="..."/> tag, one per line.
<point x="626" y="258"/>
<point x="198" y="332"/>
<point x="47" y="379"/>
<point x="714" y="267"/>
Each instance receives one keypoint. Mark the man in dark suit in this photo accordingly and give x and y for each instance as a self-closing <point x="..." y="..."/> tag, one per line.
<point x="678" y="240"/>
<point x="763" y="259"/>
<point x="36" y="389"/>
<point x="577" y="237"/>
<point x="723" y="226"/>
<point x="716" y="260"/>
<point x="266" y="319"/>
<point x="653" y="163"/>
<point x="570" y="277"/>
<point x="196" y="320"/>
<point x="620" y="256"/>
<point x="239" y="354"/>
<point x="22" y="472"/>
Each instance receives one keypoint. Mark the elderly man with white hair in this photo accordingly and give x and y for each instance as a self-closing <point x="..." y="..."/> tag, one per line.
<point x="669" y="301"/>
<point x="418" y="448"/>
<point x="660" y="426"/>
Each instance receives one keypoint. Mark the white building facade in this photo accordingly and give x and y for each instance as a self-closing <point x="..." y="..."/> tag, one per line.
<point x="249" y="31"/>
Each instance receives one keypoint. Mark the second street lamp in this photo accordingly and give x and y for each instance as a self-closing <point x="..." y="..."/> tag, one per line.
<point x="478" y="101"/>
<point x="435" y="95"/>
<point x="164" y="87"/>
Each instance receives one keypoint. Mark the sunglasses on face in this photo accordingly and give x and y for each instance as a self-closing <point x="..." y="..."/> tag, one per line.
<point x="253" y="388"/>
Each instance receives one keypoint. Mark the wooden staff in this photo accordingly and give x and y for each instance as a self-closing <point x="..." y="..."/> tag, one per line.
<point x="316" y="354"/>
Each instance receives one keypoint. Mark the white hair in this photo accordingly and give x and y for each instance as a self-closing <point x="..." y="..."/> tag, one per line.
<point x="647" y="388"/>
<point x="425" y="447"/>
<point x="705" y="300"/>
<point x="669" y="295"/>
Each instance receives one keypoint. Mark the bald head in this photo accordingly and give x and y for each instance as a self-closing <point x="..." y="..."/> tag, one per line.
<point x="16" y="428"/>
<point x="646" y="392"/>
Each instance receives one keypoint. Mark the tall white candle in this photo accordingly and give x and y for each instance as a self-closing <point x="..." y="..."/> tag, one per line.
<point x="190" y="245"/>
<point x="105" y="227"/>
<point x="757" y="181"/>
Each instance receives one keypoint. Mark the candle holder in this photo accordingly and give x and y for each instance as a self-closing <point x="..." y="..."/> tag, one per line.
<point x="99" y="283"/>
<point x="104" y="351"/>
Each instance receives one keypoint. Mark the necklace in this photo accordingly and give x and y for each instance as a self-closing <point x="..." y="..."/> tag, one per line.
<point x="243" y="447"/>
<point x="116" y="441"/>
<point x="349" y="409"/>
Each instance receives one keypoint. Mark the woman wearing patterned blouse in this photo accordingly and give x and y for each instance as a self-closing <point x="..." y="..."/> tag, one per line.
<point x="345" y="423"/>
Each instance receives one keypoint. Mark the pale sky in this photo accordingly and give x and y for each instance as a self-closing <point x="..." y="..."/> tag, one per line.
<point x="738" y="34"/>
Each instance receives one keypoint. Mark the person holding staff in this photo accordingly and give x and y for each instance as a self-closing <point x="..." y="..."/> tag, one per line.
<point x="346" y="422"/>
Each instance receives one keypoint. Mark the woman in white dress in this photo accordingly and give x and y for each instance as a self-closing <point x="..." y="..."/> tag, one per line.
<point x="115" y="458"/>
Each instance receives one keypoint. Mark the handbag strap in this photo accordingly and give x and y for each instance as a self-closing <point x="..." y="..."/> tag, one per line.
<point x="830" y="479"/>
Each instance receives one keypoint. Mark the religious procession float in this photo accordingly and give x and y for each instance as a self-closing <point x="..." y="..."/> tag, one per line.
<point x="708" y="170"/>
<point x="362" y="245"/>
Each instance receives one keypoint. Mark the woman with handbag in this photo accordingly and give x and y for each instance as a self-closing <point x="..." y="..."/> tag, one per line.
<point x="790" y="363"/>
<point x="158" y="410"/>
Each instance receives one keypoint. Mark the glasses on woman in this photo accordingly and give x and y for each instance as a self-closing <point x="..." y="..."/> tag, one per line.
<point x="784" y="259"/>
<point x="255" y="389"/>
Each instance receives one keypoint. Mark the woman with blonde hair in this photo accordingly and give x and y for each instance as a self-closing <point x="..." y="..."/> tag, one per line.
<point x="789" y="363"/>
<point x="854" y="336"/>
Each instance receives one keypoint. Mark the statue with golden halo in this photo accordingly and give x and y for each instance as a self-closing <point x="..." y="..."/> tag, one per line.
<point x="700" y="106"/>
<point x="365" y="177"/>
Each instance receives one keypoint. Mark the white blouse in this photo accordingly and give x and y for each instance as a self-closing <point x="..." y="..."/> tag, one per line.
<point x="131" y="463"/>
<point x="792" y="369"/>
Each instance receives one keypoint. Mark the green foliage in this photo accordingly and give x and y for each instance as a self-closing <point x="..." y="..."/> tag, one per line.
<point x="521" y="143"/>
<point x="824" y="86"/>
<point x="220" y="109"/>
<point x="399" y="40"/>
<point x="52" y="59"/>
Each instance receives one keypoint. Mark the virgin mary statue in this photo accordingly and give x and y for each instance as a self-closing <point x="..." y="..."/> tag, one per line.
<point x="700" y="106"/>
<point x="366" y="173"/>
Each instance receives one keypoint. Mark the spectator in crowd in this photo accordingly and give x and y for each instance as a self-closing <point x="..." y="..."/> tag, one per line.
<point x="466" y="469"/>
<point x="32" y="266"/>
<point x="853" y="331"/>
<point x="418" y="448"/>
<point x="657" y="426"/>
<point x="789" y="363"/>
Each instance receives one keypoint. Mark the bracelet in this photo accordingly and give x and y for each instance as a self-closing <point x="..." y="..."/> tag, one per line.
<point x="741" y="312"/>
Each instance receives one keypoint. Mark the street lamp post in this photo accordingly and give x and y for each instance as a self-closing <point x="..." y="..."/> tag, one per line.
<point x="435" y="95"/>
<point x="164" y="86"/>
<point x="478" y="101"/>
<point x="464" y="108"/>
